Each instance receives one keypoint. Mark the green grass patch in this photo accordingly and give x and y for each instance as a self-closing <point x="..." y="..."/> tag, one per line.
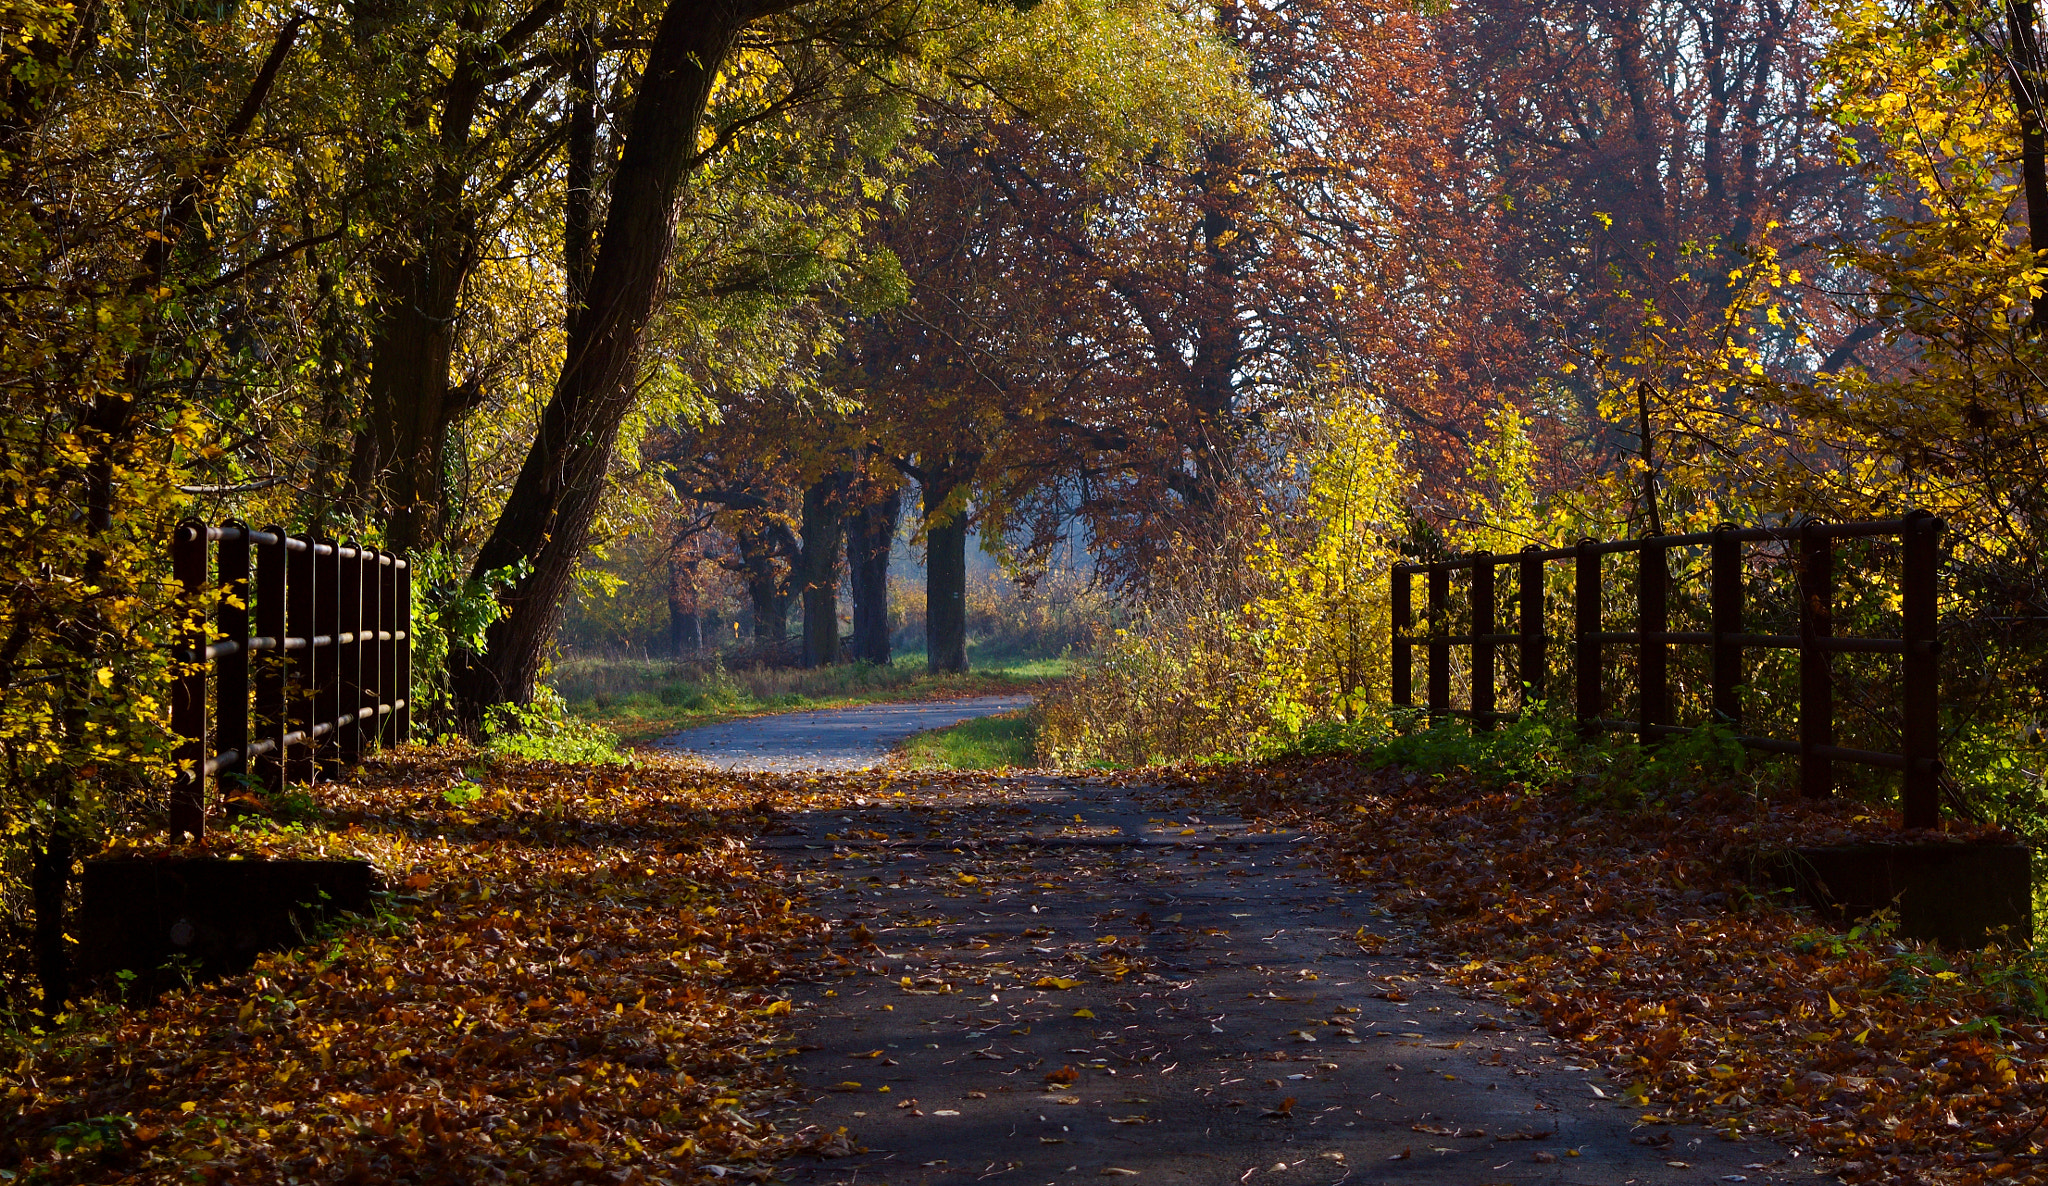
<point x="986" y="743"/>
<point x="640" y="699"/>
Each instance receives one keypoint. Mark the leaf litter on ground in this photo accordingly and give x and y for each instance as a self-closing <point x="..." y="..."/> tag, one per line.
<point x="1645" y="934"/>
<point x="577" y="977"/>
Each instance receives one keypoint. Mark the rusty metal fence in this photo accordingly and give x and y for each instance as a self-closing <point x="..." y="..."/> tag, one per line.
<point x="1727" y="642"/>
<point x="309" y="658"/>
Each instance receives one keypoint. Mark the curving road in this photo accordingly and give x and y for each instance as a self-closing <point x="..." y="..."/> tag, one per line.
<point x="830" y="738"/>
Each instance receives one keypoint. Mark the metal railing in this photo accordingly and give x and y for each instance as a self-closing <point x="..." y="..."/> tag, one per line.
<point x="310" y="659"/>
<point x="1919" y="535"/>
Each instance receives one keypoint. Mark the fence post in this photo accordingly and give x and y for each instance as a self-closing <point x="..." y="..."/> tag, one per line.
<point x="327" y="624"/>
<point x="1531" y="662"/>
<point x="1585" y="646"/>
<point x="348" y="737"/>
<point x="1404" y="651"/>
<point x="231" y="673"/>
<point x="1725" y="595"/>
<point x="1482" y="646"/>
<point x="188" y="690"/>
<point x="302" y="680"/>
<point x="1439" y="644"/>
<point x="1653" y="654"/>
<point x="1816" y="683"/>
<point x="269" y="712"/>
<point x="1921" y="671"/>
<point x="387" y="659"/>
<point x="401" y="732"/>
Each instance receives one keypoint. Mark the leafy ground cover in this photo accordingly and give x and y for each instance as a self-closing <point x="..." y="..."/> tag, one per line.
<point x="575" y="980"/>
<point x="643" y="699"/>
<point x="1633" y="928"/>
<point x="1005" y="741"/>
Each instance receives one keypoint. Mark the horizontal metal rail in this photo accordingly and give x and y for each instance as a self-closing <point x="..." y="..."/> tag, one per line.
<point x="221" y="650"/>
<point x="1876" y="646"/>
<point x="305" y="665"/>
<point x="1858" y="530"/>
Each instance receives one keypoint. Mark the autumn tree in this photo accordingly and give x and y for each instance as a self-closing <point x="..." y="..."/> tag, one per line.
<point x="138" y="255"/>
<point x="1638" y="151"/>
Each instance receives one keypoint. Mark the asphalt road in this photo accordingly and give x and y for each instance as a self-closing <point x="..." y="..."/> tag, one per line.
<point x="828" y="739"/>
<point x="1048" y="981"/>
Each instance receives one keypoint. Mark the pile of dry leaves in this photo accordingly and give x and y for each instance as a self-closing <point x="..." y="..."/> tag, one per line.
<point x="1644" y="934"/>
<point x="574" y="981"/>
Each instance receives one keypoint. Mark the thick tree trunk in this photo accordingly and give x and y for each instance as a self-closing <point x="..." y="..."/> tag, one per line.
<point x="50" y="884"/>
<point x="547" y="517"/>
<point x="869" y="536"/>
<point x="403" y="452"/>
<point x="767" y="592"/>
<point x="945" y="583"/>
<point x="399" y="472"/>
<point x="824" y="532"/>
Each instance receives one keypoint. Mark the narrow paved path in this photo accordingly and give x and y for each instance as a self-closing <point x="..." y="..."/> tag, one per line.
<point x="1049" y="982"/>
<point x="830" y="738"/>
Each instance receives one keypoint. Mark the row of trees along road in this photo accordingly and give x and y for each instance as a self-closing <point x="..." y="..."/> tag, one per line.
<point x="502" y="281"/>
<point x="426" y="274"/>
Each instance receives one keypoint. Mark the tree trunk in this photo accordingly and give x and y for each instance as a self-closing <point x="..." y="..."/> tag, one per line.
<point x="683" y="635"/>
<point x="399" y="472"/>
<point x="2026" y="77"/>
<point x="870" y="535"/>
<point x="50" y="878"/>
<point x="767" y="592"/>
<point x="579" y="204"/>
<point x="824" y="532"/>
<point x="547" y="517"/>
<point x="945" y="584"/>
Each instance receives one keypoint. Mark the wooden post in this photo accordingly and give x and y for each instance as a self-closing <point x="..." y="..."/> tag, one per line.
<point x="1532" y="663"/>
<point x="1816" y="677"/>
<point x="269" y="712"/>
<point x="401" y="732"/>
<point x="1439" y="648"/>
<point x="301" y="677"/>
<point x="231" y="672"/>
<point x="1653" y="654"/>
<point x="1725" y="577"/>
<point x="1919" y="590"/>
<point x="1404" y="651"/>
<point x="387" y="659"/>
<point x="1482" y="646"/>
<point x="188" y="689"/>
<point x="1586" y="647"/>
<point x="326" y="624"/>
<point x="348" y="738"/>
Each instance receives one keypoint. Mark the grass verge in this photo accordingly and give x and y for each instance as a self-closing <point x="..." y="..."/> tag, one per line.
<point x="577" y="978"/>
<point x="641" y="700"/>
<point x="997" y="742"/>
